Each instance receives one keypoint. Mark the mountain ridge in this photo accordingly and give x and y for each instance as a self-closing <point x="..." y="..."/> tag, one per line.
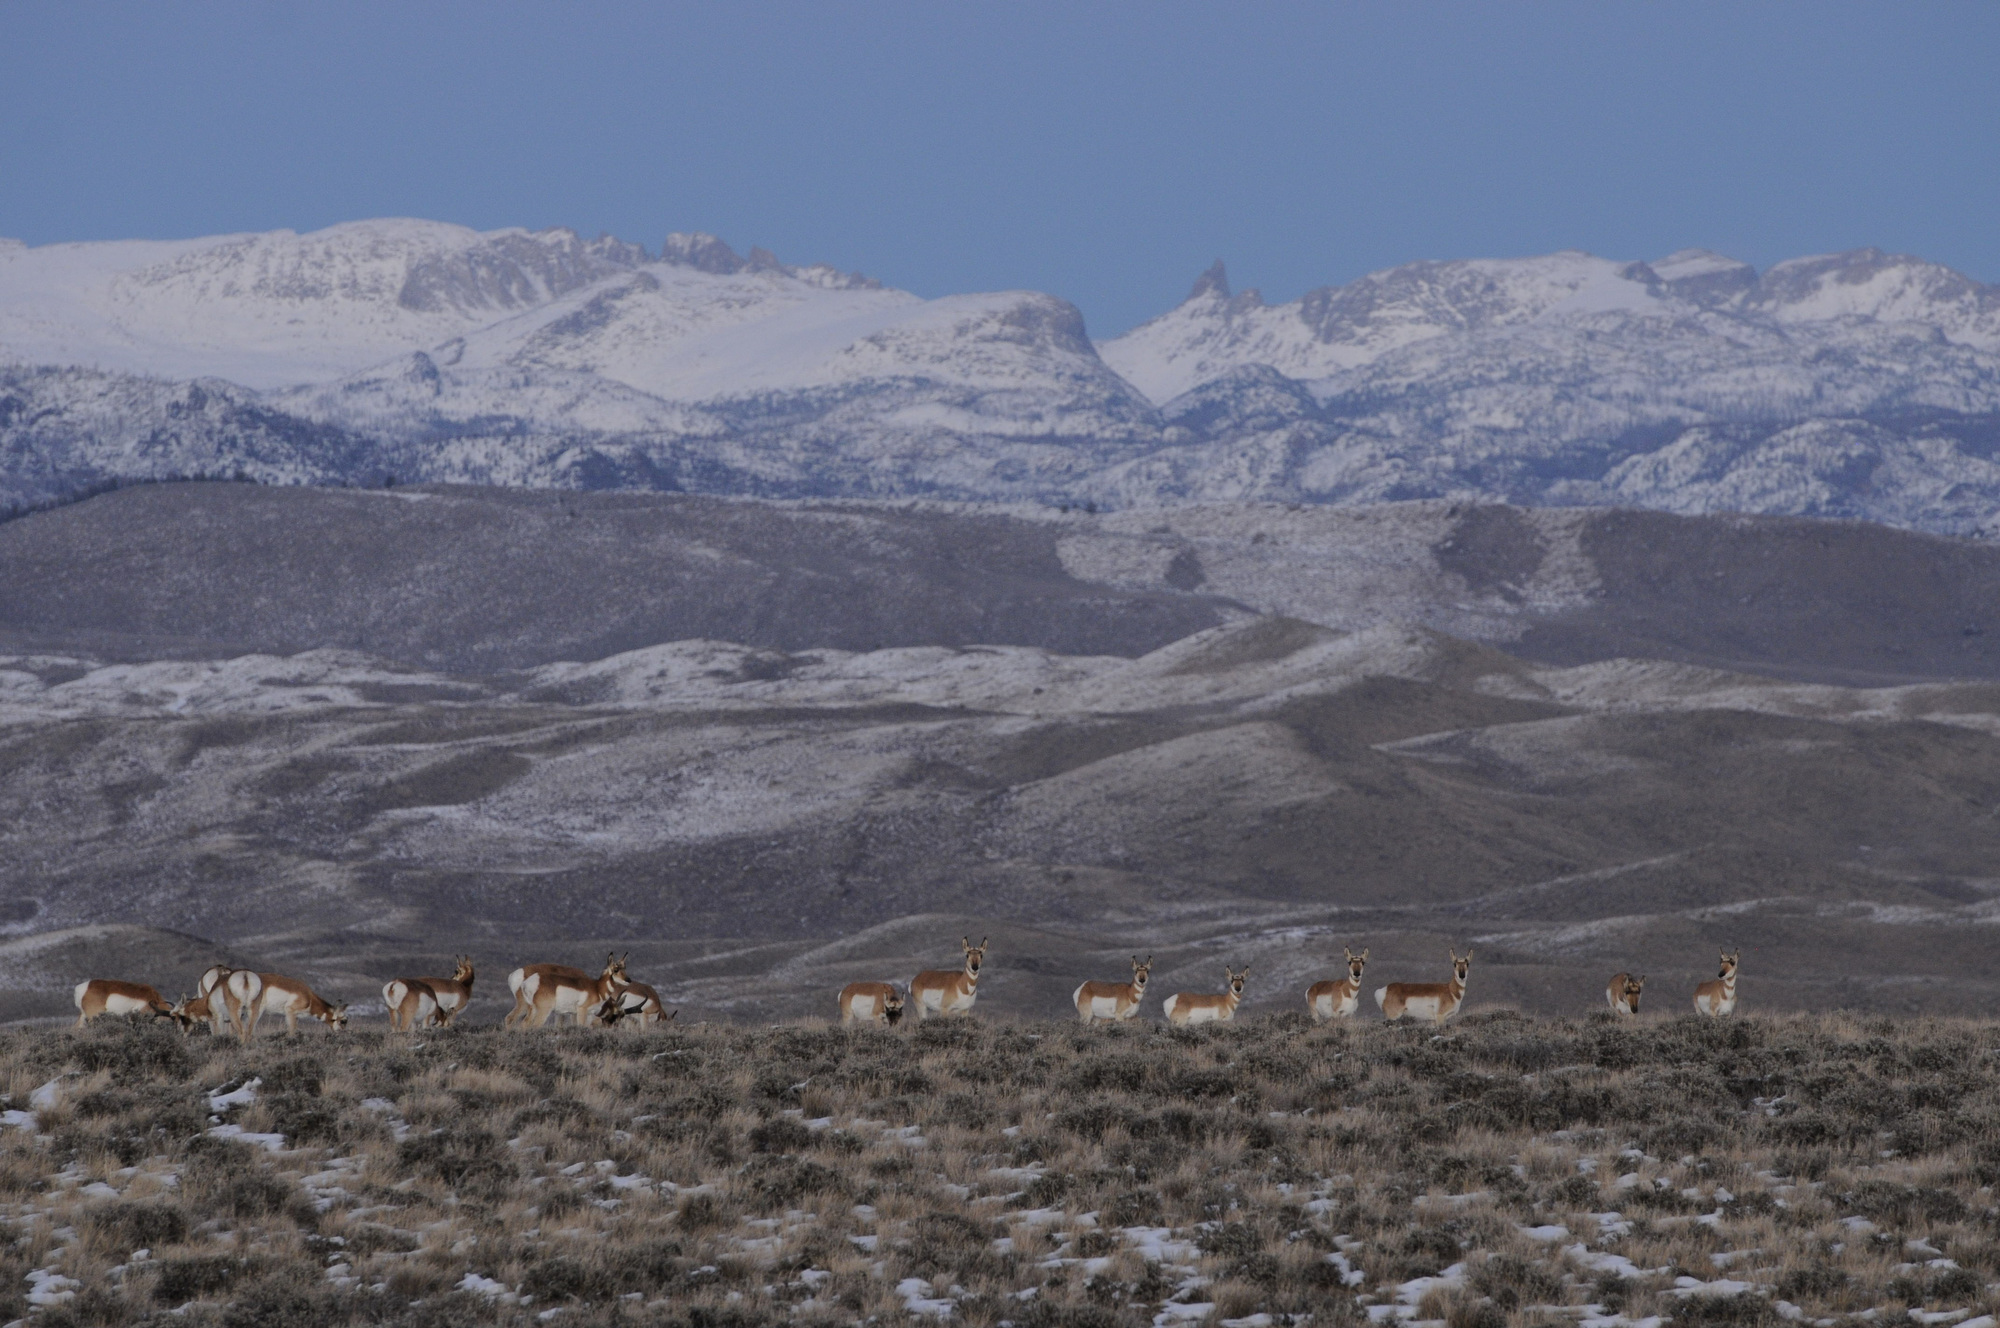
<point x="1863" y="385"/>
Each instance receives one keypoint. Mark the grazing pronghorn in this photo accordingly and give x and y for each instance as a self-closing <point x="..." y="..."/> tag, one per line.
<point x="541" y="990"/>
<point x="1114" y="1000"/>
<point x="191" y="1010"/>
<point x="1718" y="996"/>
<point x="110" y="996"/>
<point x="947" y="991"/>
<point x="278" y="994"/>
<point x="411" y="1004"/>
<point x="870" y="1003"/>
<point x="242" y="996"/>
<point x="1623" y="993"/>
<point x="1436" y="1001"/>
<point x="1336" y="1000"/>
<point x="229" y="1007"/>
<point x="635" y="1000"/>
<point x="1206" y="1007"/>
<point x="449" y="996"/>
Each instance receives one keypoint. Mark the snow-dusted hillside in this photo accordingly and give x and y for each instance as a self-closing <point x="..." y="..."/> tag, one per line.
<point x="1859" y="384"/>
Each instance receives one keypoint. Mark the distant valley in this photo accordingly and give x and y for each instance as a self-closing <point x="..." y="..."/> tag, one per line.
<point x="769" y="747"/>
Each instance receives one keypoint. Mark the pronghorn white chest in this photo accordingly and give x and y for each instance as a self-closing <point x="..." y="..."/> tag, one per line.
<point x="951" y="998"/>
<point x="1336" y="1000"/>
<point x="1719" y="999"/>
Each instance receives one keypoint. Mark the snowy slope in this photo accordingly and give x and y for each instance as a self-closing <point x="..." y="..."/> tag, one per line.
<point x="1860" y="384"/>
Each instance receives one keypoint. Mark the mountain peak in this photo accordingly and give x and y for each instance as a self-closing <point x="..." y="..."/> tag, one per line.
<point x="1214" y="282"/>
<point x="701" y="251"/>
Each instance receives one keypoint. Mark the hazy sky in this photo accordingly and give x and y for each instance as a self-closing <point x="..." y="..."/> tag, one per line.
<point x="1105" y="152"/>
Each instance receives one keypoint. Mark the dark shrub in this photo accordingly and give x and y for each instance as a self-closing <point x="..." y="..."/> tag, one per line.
<point x="458" y="1157"/>
<point x="780" y="1134"/>
<point x="139" y="1226"/>
<point x="197" y="1277"/>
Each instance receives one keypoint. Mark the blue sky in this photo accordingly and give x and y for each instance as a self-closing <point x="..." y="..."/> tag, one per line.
<point x="1105" y="152"/>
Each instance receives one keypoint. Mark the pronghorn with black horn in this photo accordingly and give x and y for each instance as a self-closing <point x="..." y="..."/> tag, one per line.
<point x="1114" y="1000"/>
<point x="224" y="1005"/>
<point x="278" y="994"/>
<point x="1337" y="1000"/>
<point x="110" y="996"/>
<point x="1718" y="995"/>
<point x="1436" y="1001"/>
<point x="870" y="1003"/>
<point x="1208" y="1008"/>
<point x="1623" y="993"/>
<point x="449" y="996"/>
<point x="635" y="1000"/>
<point x="542" y="990"/>
<point x="948" y="991"/>
<point x="191" y="1010"/>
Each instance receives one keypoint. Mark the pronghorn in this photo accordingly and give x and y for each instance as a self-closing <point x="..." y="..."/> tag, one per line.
<point x="1623" y="993"/>
<point x="411" y="1004"/>
<point x="1336" y="1000"/>
<point x="110" y="996"/>
<point x="278" y="994"/>
<point x="635" y="1000"/>
<point x="449" y="996"/>
<point x="947" y="991"/>
<point x="1113" y="1000"/>
<point x="242" y="996"/>
<point x="1718" y="996"/>
<point x="191" y="1010"/>
<point x="229" y="1008"/>
<point x="541" y="990"/>
<point x="1438" y="1001"/>
<point x="1205" y="1008"/>
<point x="870" y="1003"/>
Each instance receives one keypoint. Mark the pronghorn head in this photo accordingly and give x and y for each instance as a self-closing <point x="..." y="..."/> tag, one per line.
<point x="1728" y="962"/>
<point x="892" y="1005"/>
<point x="1355" y="963"/>
<point x="1630" y="991"/>
<point x="1140" y="972"/>
<point x="614" y="967"/>
<point x="1460" y="966"/>
<point x="612" y="1009"/>
<point x="1236" y="979"/>
<point x="181" y="1014"/>
<point x="336" y="1015"/>
<point x="975" y="955"/>
<point x="463" y="971"/>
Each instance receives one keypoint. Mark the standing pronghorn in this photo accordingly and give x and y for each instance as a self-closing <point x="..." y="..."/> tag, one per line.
<point x="1437" y="1001"/>
<point x="110" y="996"/>
<point x="278" y="994"/>
<point x="449" y="996"/>
<point x="1718" y="996"/>
<point x="1337" y="1000"/>
<point x="634" y="1000"/>
<point x="224" y="1004"/>
<point x="1113" y="1000"/>
<point x="541" y="990"/>
<point x="1205" y="1007"/>
<point x="945" y="991"/>
<point x="870" y="1003"/>
<point x="1623" y="993"/>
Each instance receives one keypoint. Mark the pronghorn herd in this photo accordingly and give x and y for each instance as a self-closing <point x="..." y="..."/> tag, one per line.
<point x="236" y="1000"/>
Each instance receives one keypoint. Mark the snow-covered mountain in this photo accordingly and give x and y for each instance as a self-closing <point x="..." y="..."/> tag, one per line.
<point x="1859" y="384"/>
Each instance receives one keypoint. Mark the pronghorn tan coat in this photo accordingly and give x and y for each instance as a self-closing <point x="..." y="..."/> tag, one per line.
<point x="1623" y="993"/>
<point x="448" y="996"/>
<point x="543" y="990"/>
<point x="278" y="994"/>
<point x="946" y="991"/>
<point x="1184" y="1007"/>
<point x="1338" y="999"/>
<point x="110" y="996"/>
<point x="1114" y="1000"/>
<point x="1436" y="1001"/>
<point x="411" y="1004"/>
<point x="635" y="1001"/>
<point x="224" y="1005"/>
<point x="1718" y="996"/>
<point x="870" y="1003"/>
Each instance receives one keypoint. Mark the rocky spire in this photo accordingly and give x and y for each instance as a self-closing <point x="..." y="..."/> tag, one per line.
<point x="1215" y="281"/>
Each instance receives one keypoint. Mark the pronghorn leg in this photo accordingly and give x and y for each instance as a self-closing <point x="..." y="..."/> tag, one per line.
<point x="81" y="1019"/>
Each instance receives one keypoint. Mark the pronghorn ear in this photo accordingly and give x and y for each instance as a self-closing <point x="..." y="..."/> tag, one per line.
<point x="1364" y="955"/>
<point x="982" y="942"/>
<point x="965" y="942"/>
